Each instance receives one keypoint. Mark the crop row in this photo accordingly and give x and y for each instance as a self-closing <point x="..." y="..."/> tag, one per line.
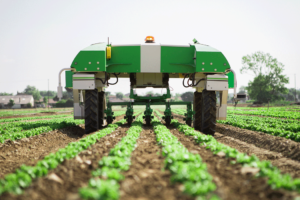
<point x="25" y="111"/>
<point x="23" y="176"/>
<point x="284" y="108"/>
<point x="20" y="126"/>
<point x="111" y="166"/>
<point x="29" y="129"/>
<point x="186" y="167"/>
<point x="289" y="129"/>
<point x="275" y="179"/>
<point x="32" y="118"/>
<point x="57" y="124"/>
<point x="267" y="113"/>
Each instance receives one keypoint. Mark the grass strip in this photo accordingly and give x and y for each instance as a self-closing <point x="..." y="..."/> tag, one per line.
<point x="22" y="178"/>
<point x="110" y="167"/>
<point x="275" y="179"/>
<point x="33" y="118"/>
<point x="186" y="168"/>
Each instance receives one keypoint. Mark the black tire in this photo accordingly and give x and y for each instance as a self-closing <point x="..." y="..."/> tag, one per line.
<point x="168" y="120"/>
<point x="189" y="122"/>
<point x="208" y="125"/>
<point x="91" y="111"/>
<point x="148" y="120"/>
<point x="101" y="108"/>
<point x="109" y="120"/>
<point x="129" y="120"/>
<point x="198" y="110"/>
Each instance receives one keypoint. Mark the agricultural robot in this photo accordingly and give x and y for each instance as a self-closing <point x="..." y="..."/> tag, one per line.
<point x="150" y="65"/>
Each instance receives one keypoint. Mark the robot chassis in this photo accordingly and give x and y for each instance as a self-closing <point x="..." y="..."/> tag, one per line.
<point x="150" y="65"/>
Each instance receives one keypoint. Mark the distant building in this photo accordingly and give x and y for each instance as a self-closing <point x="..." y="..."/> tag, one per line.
<point x="20" y="100"/>
<point x="242" y="96"/>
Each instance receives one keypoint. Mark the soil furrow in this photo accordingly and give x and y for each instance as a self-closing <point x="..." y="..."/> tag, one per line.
<point x="29" y="151"/>
<point x="285" y="165"/>
<point x="278" y="159"/>
<point x="286" y="147"/>
<point x="231" y="182"/>
<point x="145" y="179"/>
<point x="72" y="174"/>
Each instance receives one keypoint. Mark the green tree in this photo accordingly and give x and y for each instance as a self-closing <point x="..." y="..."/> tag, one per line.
<point x="44" y="93"/>
<point x="119" y="95"/>
<point x="5" y="94"/>
<point x="36" y="95"/>
<point x="187" y="96"/>
<point x="29" y="89"/>
<point x="11" y="103"/>
<point x="33" y="91"/>
<point x="269" y="81"/>
<point x="45" y="99"/>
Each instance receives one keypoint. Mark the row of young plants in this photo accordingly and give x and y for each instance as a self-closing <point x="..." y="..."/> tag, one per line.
<point x="11" y="112"/>
<point x="276" y="179"/>
<point x="268" y="113"/>
<point x="57" y="124"/>
<point x="23" y="177"/>
<point x="20" y="126"/>
<point x="282" y="108"/>
<point x="289" y="129"/>
<point x="186" y="168"/>
<point x="33" y="118"/>
<point x="105" y="184"/>
<point x="29" y="129"/>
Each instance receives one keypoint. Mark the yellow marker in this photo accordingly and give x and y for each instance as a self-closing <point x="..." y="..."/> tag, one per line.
<point x="181" y="75"/>
<point x="108" y="52"/>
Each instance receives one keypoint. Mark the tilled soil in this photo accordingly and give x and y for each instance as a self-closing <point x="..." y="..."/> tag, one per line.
<point x="29" y="151"/>
<point x="286" y="147"/>
<point x="72" y="174"/>
<point x="145" y="179"/>
<point x="286" y="165"/>
<point x="231" y="182"/>
<point x="285" y="158"/>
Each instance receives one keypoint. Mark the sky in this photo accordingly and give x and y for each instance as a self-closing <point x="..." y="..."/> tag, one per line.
<point x="39" y="38"/>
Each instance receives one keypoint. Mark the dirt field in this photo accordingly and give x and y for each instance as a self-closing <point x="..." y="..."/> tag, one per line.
<point x="145" y="179"/>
